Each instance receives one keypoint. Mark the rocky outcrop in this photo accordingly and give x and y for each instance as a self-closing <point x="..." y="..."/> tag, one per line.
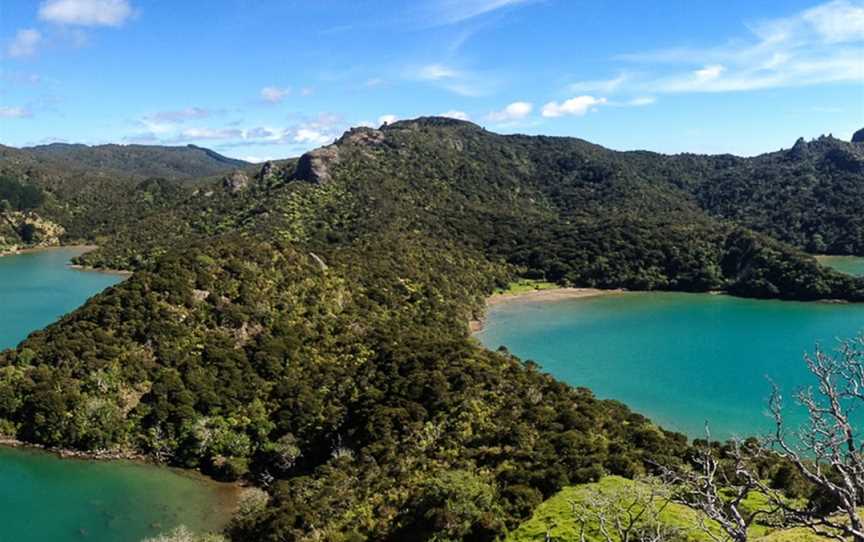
<point x="316" y="166"/>
<point x="858" y="137"/>
<point x="27" y="230"/>
<point x="362" y="136"/>
<point x="235" y="182"/>
<point x="268" y="175"/>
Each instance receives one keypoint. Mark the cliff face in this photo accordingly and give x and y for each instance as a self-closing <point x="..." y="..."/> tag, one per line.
<point x="19" y="230"/>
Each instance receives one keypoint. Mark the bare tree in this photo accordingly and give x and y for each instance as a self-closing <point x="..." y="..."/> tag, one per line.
<point x="827" y="450"/>
<point x="626" y="513"/>
<point x="717" y="489"/>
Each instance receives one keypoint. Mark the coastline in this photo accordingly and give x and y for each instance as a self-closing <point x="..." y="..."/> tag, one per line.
<point x="228" y="494"/>
<point x="536" y="296"/>
<point x="78" y="250"/>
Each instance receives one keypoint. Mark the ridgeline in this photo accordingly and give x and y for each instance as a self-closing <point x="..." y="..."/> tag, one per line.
<point x="303" y="325"/>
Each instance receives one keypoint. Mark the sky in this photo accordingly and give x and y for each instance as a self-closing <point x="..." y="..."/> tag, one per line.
<point x="265" y="79"/>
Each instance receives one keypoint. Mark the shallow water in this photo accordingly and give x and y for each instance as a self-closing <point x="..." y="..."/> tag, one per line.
<point x="37" y="288"/>
<point x="681" y="359"/>
<point x="851" y="265"/>
<point x="46" y="498"/>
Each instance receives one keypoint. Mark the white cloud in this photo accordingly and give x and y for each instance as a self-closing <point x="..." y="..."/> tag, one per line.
<point x="25" y="43"/>
<point x="459" y="115"/>
<point x="513" y="112"/>
<point x="577" y="106"/>
<point x="817" y="46"/>
<point x="455" y="11"/>
<point x="14" y="112"/>
<point x="180" y="115"/>
<point x="210" y="133"/>
<point x="306" y="133"/>
<point x="434" y="72"/>
<point x="274" y="95"/>
<point x="309" y="135"/>
<point x="387" y="119"/>
<point x="709" y="73"/>
<point x="307" y="91"/>
<point x="604" y="86"/>
<point x="458" y="81"/>
<point x="641" y="101"/>
<point x="86" y="12"/>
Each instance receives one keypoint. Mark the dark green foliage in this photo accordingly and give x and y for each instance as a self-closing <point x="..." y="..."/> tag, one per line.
<point x="355" y="386"/>
<point x="19" y="196"/>
<point x="138" y="160"/>
<point x="308" y="332"/>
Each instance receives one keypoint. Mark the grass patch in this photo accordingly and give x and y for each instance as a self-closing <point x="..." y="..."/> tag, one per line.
<point x="522" y="286"/>
<point x="555" y="517"/>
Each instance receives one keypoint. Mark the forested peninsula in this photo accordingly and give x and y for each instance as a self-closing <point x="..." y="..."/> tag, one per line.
<point x="301" y="325"/>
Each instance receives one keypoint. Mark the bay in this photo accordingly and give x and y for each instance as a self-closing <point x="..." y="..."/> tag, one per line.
<point x="851" y="265"/>
<point x="46" y="498"/>
<point x="680" y="359"/>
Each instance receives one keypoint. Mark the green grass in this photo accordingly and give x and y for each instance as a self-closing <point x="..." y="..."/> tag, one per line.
<point x="522" y="286"/>
<point x="555" y="516"/>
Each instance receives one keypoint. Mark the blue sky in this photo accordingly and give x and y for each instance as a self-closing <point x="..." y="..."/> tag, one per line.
<point x="262" y="79"/>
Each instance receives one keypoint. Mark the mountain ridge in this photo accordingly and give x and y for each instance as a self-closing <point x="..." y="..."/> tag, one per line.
<point x="304" y="327"/>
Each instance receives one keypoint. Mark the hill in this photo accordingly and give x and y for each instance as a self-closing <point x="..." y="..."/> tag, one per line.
<point x="137" y="160"/>
<point x="303" y="326"/>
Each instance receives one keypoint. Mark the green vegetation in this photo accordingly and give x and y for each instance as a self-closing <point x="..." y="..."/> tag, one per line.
<point x="556" y="518"/>
<point x="522" y="286"/>
<point x="16" y="196"/>
<point x="304" y="327"/>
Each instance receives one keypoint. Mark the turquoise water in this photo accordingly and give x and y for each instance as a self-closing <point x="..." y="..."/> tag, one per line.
<point x="851" y="265"/>
<point x="43" y="498"/>
<point x="680" y="359"/>
<point x="37" y="288"/>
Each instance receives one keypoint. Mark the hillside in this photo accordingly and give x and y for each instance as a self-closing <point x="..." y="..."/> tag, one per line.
<point x="560" y="209"/>
<point x="137" y="160"/>
<point x="304" y="326"/>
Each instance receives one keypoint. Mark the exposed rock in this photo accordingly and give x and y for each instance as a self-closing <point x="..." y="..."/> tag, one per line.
<point x="267" y="174"/>
<point x="858" y="137"/>
<point x="200" y="295"/>
<point x="315" y="166"/>
<point x="362" y="136"/>
<point x="319" y="261"/>
<point x="799" y="150"/>
<point x="235" y="182"/>
<point x="22" y="230"/>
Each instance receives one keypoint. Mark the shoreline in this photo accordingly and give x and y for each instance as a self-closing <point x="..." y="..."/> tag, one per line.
<point x="477" y="325"/>
<point x="79" y="250"/>
<point x="228" y="495"/>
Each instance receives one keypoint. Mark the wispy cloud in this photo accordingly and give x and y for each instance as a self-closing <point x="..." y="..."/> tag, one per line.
<point x="180" y="115"/>
<point x="86" y="12"/>
<point x="603" y="86"/>
<point x="456" y="11"/>
<point x="514" y="112"/>
<point x="25" y="43"/>
<point x="458" y="81"/>
<point x="275" y="95"/>
<point x="7" y="112"/>
<point x="820" y="45"/>
<point x="436" y="72"/>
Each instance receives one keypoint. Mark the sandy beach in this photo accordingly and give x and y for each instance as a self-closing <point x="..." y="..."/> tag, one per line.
<point x="534" y="296"/>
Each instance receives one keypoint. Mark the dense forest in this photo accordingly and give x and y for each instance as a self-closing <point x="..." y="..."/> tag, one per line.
<point x="302" y="325"/>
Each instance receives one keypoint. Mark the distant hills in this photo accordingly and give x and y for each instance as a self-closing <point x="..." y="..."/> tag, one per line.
<point x="138" y="160"/>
